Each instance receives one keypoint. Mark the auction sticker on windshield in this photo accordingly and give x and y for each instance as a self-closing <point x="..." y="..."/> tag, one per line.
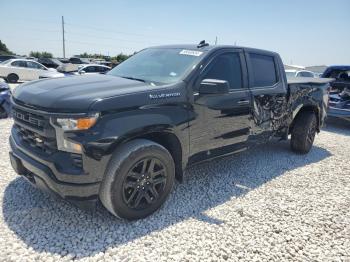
<point x="191" y="52"/>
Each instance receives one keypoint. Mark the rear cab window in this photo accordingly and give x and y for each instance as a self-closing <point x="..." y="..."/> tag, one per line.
<point x="263" y="70"/>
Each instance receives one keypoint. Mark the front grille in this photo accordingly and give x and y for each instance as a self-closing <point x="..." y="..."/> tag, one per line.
<point x="34" y="130"/>
<point x="37" y="141"/>
<point x="30" y="119"/>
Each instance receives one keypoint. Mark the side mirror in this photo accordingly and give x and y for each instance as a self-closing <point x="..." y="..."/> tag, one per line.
<point x="214" y="86"/>
<point x="82" y="72"/>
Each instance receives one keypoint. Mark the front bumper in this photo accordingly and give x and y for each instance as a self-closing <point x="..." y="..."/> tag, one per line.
<point x="43" y="174"/>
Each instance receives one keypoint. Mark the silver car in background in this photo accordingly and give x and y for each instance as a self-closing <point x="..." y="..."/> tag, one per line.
<point x="92" y="69"/>
<point x="299" y="73"/>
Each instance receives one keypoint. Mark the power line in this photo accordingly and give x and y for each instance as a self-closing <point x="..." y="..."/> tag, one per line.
<point x="29" y="20"/>
<point x="112" y="38"/>
<point x="122" y="32"/>
<point x="102" y="44"/>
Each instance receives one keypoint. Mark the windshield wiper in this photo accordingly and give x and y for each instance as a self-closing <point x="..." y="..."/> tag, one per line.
<point x="134" y="78"/>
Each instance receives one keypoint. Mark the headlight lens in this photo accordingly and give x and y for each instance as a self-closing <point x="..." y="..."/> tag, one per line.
<point x="70" y="124"/>
<point x="77" y="123"/>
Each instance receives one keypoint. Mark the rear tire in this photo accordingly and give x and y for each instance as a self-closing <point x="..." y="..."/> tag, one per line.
<point x="303" y="133"/>
<point x="12" y="78"/>
<point x="138" y="180"/>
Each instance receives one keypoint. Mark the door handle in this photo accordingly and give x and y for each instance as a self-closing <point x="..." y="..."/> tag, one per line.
<point x="243" y="102"/>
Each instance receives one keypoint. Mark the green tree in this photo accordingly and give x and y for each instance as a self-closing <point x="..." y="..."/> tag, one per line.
<point x="86" y="55"/>
<point x="120" y="58"/>
<point x="4" y="50"/>
<point x="40" y="54"/>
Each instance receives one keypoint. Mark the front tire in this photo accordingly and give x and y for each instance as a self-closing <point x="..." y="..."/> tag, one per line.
<point x="303" y="133"/>
<point x="12" y="78"/>
<point x="138" y="179"/>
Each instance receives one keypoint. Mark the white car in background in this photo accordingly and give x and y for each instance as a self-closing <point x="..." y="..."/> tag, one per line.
<point x="299" y="73"/>
<point x="14" y="70"/>
<point x="92" y="69"/>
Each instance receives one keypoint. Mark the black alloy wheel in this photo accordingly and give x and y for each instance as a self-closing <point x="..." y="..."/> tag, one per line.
<point x="144" y="183"/>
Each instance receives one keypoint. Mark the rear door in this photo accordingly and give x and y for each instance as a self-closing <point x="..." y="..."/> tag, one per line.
<point x="35" y="70"/>
<point x="221" y="121"/>
<point x="268" y="87"/>
<point x="19" y="67"/>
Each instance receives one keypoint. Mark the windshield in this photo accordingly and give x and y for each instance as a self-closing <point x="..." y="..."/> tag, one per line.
<point x="56" y="61"/>
<point x="158" y="65"/>
<point x="85" y="60"/>
<point x="5" y="62"/>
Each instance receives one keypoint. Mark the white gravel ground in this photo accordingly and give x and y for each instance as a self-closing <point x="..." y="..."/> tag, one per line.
<point x="264" y="204"/>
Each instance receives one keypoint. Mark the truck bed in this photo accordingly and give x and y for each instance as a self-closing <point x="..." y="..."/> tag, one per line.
<point x="309" y="80"/>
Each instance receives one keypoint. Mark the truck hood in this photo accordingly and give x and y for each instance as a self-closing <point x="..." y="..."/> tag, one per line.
<point x="75" y="94"/>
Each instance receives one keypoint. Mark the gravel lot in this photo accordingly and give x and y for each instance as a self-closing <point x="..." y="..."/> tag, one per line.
<point x="264" y="204"/>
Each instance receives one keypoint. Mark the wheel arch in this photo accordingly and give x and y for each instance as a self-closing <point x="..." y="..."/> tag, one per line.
<point x="167" y="138"/>
<point x="306" y="108"/>
<point x="172" y="143"/>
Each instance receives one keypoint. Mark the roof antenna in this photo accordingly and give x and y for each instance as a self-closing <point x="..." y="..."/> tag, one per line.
<point x="202" y="44"/>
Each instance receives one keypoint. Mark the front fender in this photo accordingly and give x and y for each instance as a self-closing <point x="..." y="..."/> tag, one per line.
<point x="114" y="129"/>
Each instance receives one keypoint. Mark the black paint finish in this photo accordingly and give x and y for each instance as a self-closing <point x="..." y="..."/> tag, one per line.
<point x="193" y="126"/>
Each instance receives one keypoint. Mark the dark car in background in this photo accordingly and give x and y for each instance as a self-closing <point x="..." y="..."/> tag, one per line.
<point x="50" y="62"/>
<point x="7" y="57"/>
<point x="79" y="60"/>
<point x="339" y="98"/>
<point x="5" y="103"/>
<point x="64" y="60"/>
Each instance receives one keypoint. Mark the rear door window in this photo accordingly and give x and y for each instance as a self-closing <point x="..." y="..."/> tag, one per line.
<point x="102" y="69"/>
<point x="34" y="65"/>
<point x="264" y="71"/>
<point x="90" y="69"/>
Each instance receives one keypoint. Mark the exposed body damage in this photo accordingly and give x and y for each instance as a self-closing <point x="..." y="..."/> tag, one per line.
<point x="276" y="113"/>
<point x="187" y="104"/>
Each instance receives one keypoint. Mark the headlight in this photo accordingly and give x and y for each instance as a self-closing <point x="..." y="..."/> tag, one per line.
<point x="62" y="125"/>
<point x="76" y="123"/>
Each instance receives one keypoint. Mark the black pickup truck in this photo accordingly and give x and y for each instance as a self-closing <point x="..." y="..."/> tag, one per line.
<point x="123" y="138"/>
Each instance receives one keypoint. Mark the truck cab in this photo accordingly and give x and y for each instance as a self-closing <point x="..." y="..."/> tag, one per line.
<point x="124" y="137"/>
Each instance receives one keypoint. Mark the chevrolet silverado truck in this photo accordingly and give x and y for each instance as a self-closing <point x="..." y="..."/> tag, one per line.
<point x="124" y="138"/>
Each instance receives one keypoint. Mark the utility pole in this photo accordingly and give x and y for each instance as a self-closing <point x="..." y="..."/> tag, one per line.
<point x="63" y="40"/>
<point x="216" y="40"/>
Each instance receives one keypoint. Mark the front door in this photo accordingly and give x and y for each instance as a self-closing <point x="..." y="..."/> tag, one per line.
<point x="221" y="123"/>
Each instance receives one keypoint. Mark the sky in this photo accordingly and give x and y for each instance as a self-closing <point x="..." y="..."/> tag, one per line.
<point x="303" y="32"/>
